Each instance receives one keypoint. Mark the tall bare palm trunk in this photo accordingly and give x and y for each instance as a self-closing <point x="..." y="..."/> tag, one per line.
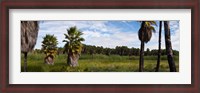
<point x="159" y="47"/>
<point x="169" y="47"/>
<point x="141" y="64"/>
<point x="25" y="61"/>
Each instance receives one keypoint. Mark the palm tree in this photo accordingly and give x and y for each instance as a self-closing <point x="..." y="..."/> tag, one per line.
<point x="168" y="45"/>
<point x="29" y="34"/>
<point x="49" y="47"/>
<point x="73" y="45"/>
<point x="145" y="33"/>
<point x="159" y="47"/>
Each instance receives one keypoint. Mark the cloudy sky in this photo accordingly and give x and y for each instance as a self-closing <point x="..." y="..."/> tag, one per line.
<point x="107" y="33"/>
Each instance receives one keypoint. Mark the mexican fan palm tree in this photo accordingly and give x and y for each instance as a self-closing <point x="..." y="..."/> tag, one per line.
<point x="73" y="45"/>
<point x="49" y="47"/>
<point x="29" y="34"/>
<point x="145" y="33"/>
<point x="168" y="45"/>
<point x="159" y="47"/>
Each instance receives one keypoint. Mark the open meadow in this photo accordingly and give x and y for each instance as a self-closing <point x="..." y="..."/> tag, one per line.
<point x="96" y="63"/>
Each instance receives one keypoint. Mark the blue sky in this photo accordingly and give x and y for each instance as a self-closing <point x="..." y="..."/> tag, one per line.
<point x="106" y="33"/>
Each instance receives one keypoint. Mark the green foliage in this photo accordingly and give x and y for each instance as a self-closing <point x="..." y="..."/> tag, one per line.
<point x="122" y="51"/>
<point x="60" y="50"/>
<point x="37" y="51"/>
<point x="99" y="63"/>
<point x="73" y="41"/>
<point x="49" y="45"/>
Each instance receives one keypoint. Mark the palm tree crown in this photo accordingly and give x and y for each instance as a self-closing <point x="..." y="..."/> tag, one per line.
<point x="73" y="41"/>
<point x="49" y="45"/>
<point x="29" y="34"/>
<point x="145" y="31"/>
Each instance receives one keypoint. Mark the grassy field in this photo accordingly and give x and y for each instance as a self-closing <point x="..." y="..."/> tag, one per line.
<point x="96" y="63"/>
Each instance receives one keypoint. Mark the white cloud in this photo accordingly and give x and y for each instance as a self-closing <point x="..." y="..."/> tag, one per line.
<point x="113" y="40"/>
<point x="91" y="34"/>
<point x="100" y="34"/>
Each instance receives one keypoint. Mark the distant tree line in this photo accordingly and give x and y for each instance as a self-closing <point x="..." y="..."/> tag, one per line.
<point x="122" y="51"/>
<point x="118" y="50"/>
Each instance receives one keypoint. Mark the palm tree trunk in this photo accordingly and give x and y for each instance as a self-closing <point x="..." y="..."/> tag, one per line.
<point x="169" y="47"/>
<point x="159" y="47"/>
<point x="49" y="59"/>
<point x="25" y="61"/>
<point x="68" y="59"/>
<point x="141" y="64"/>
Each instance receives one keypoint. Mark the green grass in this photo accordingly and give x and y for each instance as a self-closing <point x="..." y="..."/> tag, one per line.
<point x="96" y="63"/>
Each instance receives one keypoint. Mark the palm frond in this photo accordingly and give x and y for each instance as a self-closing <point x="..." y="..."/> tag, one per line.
<point x="145" y="31"/>
<point x="73" y="40"/>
